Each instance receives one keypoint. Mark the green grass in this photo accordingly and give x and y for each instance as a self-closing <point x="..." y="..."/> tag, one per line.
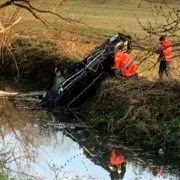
<point x="110" y="16"/>
<point x="3" y="177"/>
<point x="107" y="18"/>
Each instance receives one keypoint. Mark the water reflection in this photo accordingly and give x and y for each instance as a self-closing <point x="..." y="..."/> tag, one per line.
<point x="158" y="170"/>
<point x="121" y="161"/>
<point x="47" y="147"/>
<point x="55" y="158"/>
<point x="117" y="164"/>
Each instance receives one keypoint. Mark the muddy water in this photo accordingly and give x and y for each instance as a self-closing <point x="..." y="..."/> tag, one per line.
<point x="42" y="145"/>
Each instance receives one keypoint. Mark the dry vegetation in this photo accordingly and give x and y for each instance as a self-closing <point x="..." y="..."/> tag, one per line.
<point x="77" y="34"/>
<point x="148" y="65"/>
<point x="146" y="111"/>
<point x="19" y="132"/>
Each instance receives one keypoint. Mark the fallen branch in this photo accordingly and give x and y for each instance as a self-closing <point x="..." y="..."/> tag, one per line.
<point x="31" y="94"/>
<point x="5" y="94"/>
<point x="4" y="29"/>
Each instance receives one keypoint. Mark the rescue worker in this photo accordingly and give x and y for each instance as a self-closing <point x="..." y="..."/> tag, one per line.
<point x="158" y="170"/>
<point x="165" y="53"/>
<point x="117" y="164"/>
<point x="124" y="65"/>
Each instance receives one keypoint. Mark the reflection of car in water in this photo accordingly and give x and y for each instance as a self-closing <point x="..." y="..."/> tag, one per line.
<point x="117" y="164"/>
<point x="78" y="82"/>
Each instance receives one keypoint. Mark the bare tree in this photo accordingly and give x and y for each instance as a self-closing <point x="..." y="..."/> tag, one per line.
<point x="166" y="21"/>
<point x="9" y="20"/>
<point x="29" y="5"/>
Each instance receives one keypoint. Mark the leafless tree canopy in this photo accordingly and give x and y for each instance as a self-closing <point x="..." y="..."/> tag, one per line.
<point x="28" y="5"/>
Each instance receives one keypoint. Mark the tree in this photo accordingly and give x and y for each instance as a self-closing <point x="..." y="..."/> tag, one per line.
<point x="166" y="21"/>
<point x="9" y="20"/>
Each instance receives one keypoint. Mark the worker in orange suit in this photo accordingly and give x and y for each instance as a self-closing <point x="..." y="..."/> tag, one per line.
<point x="158" y="170"/>
<point x="165" y="53"/>
<point x="117" y="164"/>
<point x="124" y="64"/>
<point x="116" y="159"/>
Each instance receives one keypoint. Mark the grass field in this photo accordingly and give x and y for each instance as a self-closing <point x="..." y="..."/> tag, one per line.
<point x="105" y="17"/>
<point x="91" y="21"/>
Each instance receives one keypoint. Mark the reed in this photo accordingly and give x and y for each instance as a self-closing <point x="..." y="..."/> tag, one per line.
<point x="9" y="18"/>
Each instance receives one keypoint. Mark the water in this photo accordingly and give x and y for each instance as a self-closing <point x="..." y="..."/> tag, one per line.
<point x="41" y="145"/>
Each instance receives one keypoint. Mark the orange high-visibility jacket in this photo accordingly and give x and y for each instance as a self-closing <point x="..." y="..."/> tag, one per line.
<point x="167" y="50"/>
<point x="159" y="170"/>
<point x="125" y="64"/>
<point x="116" y="160"/>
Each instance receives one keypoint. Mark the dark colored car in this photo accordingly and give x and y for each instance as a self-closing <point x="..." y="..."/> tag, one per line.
<point x="77" y="83"/>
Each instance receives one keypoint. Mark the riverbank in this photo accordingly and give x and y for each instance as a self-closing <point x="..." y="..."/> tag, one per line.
<point x="146" y="113"/>
<point x="40" y="141"/>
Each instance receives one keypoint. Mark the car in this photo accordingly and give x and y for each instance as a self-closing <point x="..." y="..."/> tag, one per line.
<point x="78" y="82"/>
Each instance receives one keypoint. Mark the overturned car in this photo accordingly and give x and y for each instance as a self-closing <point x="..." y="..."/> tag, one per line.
<point x="77" y="83"/>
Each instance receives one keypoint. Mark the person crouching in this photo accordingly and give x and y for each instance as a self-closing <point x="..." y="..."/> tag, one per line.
<point x="124" y="64"/>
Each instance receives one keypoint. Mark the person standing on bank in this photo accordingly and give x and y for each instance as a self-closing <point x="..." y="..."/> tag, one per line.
<point x="124" y="64"/>
<point x="165" y="53"/>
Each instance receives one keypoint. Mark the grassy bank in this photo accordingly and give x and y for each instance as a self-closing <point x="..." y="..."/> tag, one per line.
<point x="36" y="59"/>
<point x="146" y="113"/>
<point x="82" y="26"/>
<point x="92" y="17"/>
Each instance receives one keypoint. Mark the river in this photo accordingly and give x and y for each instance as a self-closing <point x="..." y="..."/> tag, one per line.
<point x="37" y="144"/>
<point x="42" y="147"/>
